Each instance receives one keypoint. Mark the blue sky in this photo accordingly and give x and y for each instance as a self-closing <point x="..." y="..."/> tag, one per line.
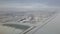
<point x="28" y="4"/>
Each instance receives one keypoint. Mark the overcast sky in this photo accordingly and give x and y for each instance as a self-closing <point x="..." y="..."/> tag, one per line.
<point x="28" y="4"/>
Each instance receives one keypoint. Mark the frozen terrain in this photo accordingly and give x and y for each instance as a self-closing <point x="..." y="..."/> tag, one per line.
<point x="19" y="22"/>
<point x="52" y="27"/>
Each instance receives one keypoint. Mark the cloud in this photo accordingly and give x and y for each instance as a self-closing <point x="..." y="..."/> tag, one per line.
<point x="25" y="6"/>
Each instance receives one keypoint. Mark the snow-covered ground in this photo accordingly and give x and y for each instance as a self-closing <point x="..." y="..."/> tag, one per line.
<point x="51" y="26"/>
<point x="9" y="30"/>
<point x="28" y="20"/>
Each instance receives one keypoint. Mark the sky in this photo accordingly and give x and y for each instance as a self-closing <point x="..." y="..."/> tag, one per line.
<point x="28" y="5"/>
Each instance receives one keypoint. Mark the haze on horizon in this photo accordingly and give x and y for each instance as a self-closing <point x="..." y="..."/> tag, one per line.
<point x="28" y="5"/>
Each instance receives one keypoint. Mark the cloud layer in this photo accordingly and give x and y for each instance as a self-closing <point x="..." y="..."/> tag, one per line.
<point x="27" y="5"/>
